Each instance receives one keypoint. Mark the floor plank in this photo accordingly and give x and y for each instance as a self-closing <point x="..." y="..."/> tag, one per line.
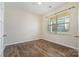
<point x="39" y="48"/>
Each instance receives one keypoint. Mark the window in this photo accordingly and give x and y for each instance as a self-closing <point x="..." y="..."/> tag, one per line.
<point x="59" y="23"/>
<point x="52" y="24"/>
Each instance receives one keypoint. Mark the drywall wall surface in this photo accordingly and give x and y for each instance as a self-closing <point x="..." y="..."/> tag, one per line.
<point x="20" y="25"/>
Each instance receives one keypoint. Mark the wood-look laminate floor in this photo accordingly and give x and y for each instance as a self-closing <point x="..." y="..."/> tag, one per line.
<point x="39" y="48"/>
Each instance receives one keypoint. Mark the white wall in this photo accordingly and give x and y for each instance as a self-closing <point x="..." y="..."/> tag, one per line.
<point x="67" y="39"/>
<point x="1" y="28"/>
<point x="20" y="25"/>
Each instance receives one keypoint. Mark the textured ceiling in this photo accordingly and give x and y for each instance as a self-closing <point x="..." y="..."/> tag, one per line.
<point x="35" y="7"/>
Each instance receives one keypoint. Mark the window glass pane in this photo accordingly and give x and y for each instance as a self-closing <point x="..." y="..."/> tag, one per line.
<point x="61" y="28"/>
<point x="54" y="27"/>
<point x="66" y="27"/>
<point x="50" y="28"/>
<point x="67" y="18"/>
<point x="53" y="21"/>
<point x="61" y="25"/>
<point x="49" y="22"/>
<point x="61" y="20"/>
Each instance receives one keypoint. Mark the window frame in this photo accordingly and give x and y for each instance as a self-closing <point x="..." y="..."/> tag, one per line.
<point x="68" y="23"/>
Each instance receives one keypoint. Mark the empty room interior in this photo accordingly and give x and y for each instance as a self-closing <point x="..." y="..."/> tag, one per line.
<point x="39" y="29"/>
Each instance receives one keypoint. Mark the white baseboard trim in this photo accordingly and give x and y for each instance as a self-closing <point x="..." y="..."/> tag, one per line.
<point x="63" y="44"/>
<point x="19" y="42"/>
<point x="44" y="39"/>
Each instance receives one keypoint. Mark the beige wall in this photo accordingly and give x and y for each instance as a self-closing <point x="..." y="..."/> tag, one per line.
<point x="20" y="26"/>
<point x="68" y="38"/>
